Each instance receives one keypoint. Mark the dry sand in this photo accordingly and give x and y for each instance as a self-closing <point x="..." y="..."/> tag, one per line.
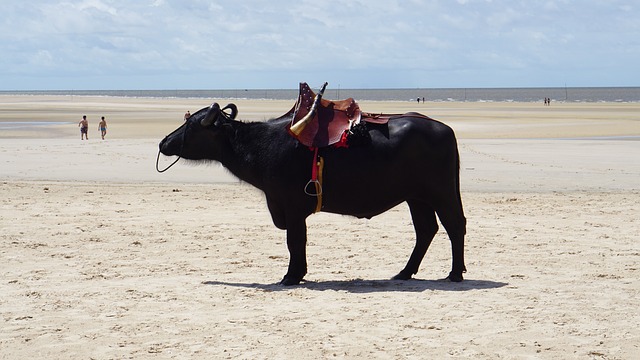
<point x="103" y="258"/>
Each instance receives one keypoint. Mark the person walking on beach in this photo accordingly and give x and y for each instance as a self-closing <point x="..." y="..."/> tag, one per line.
<point x="103" y="127"/>
<point x="187" y="115"/>
<point x="84" y="128"/>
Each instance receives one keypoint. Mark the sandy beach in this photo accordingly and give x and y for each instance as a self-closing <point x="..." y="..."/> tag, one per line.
<point x="104" y="258"/>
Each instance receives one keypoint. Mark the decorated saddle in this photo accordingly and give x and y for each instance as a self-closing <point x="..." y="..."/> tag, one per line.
<point x="318" y="122"/>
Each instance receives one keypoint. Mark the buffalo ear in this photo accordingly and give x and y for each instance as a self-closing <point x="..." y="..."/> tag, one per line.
<point x="211" y="118"/>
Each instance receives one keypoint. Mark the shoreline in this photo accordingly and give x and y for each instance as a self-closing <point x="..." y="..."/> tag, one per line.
<point x="293" y="99"/>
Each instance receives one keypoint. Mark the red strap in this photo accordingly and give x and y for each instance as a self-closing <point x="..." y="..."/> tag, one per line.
<point x="314" y="165"/>
<point x="343" y="140"/>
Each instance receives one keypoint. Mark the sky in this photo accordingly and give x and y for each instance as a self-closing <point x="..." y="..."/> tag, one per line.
<point x="251" y="44"/>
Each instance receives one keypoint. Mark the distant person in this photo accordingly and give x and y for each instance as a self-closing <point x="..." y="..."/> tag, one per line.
<point x="187" y="115"/>
<point x="84" y="128"/>
<point x="418" y="100"/>
<point x="548" y="101"/>
<point x="102" y="126"/>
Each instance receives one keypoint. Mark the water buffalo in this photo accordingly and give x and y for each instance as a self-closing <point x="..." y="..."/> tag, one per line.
<point x="411" y="158"/>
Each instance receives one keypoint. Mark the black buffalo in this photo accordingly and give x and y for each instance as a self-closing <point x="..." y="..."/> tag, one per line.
<point x="412" y="158"/>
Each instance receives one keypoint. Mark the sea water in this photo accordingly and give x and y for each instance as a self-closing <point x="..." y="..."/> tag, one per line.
<point x="17" y="125"/>
<point x="565" y="94"/>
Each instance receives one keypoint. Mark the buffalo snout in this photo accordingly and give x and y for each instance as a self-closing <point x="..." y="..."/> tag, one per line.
<point x="168" y="147"/>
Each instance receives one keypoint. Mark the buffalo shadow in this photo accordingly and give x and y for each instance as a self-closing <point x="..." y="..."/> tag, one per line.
<point x="360" y="286"/>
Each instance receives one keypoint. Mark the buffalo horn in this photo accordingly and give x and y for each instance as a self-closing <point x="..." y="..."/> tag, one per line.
<point x="234" y="110"/>
<point x="211" y="115"/>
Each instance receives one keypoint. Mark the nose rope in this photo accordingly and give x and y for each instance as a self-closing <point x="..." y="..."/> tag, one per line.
<point x="167" y="168"/>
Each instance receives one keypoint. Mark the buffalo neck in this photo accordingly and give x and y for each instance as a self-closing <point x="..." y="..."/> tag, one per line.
<point x="250" y="149"/>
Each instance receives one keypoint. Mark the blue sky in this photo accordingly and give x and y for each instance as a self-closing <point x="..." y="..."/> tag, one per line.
<point x="237" y="44"/>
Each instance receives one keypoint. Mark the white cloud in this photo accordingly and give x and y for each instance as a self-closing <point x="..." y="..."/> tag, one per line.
<point x="42" y="59"/>
<point x="230" y="43"/>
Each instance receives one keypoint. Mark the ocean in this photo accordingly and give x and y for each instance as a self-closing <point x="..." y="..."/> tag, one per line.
<point x="568" y="94"/>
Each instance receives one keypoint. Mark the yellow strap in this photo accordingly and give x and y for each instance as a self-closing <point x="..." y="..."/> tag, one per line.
<point x="318" y="183"/>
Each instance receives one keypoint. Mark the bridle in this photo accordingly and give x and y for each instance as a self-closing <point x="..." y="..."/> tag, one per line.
<point x="184" y="137"/>
<point x="214" y="106"/>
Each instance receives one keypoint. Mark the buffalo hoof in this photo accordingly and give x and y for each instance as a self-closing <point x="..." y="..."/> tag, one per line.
<point x="403" y="275"/>
<point x="290" y="280"/>
<point x="454" y="277"/>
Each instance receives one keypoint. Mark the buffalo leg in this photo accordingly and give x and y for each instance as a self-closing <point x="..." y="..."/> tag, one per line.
<point x="426" y="226"/>
<point x="297" y="244"/>
<point x="453" y="220"/>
